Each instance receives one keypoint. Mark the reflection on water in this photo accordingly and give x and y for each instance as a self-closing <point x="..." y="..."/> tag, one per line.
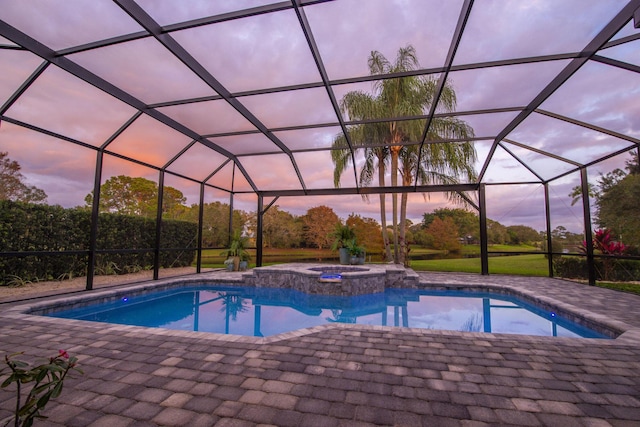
<point x="267" y="311"/>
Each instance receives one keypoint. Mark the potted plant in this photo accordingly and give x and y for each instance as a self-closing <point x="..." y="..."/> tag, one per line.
<point x="244" y="261"/>
<point x="228" y="264"/>
<point x="342" y="235"/>
<point x="356" y="253"/>
<point x="236" y="250"/>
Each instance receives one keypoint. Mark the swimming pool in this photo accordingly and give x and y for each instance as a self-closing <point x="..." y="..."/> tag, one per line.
<point x="260" y="311"/>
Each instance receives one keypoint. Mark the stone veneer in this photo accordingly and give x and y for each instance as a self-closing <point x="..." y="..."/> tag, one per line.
<point x="360" y="280"/>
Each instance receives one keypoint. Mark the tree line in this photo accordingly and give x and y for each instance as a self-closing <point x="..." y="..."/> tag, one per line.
<point x="444" y="229"/>
<point x="447" y="229"/>
<point x="616" y="196"/>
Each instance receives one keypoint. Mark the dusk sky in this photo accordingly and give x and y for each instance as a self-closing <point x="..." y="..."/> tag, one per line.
<point x="249" y="55"/>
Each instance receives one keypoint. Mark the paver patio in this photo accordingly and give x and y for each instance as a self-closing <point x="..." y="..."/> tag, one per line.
<point x="339" y="375"/>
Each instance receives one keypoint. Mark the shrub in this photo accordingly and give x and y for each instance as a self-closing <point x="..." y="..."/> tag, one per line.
<point x="26" y="228"/>
<point x="616" y="270"/>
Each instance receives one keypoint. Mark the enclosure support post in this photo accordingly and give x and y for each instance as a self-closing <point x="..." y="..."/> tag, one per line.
<point x="548" y="219"/>
<point x="588" y="235"/>
<point x="484" y="244"/>
<point x="259" y="218"/>
<point x="233" y="174"/>
<point x="200" y="226"/>
<point x="156" y="250"/>
<point x="230" y="219"/>
<point x="93" y="233"/>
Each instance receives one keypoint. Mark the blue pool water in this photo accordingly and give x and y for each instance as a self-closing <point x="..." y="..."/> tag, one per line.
<point x="266" y="311"/>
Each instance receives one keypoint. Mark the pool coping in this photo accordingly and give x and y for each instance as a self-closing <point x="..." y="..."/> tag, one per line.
<point x="624" y="333"/>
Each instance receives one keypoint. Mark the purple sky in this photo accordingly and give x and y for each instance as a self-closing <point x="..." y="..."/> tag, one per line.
<point x="270" y="50"/>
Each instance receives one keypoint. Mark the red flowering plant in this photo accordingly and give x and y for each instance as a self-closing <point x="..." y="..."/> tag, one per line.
<point x="47" y="378"/>
<point x="603" y="243"/>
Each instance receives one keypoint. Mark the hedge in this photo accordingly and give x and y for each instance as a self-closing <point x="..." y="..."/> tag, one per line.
<point x="615" y="270"/>
<point x="35" y="228"/>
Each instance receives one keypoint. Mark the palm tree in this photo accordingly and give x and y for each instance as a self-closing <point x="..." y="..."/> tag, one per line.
<point x="380" y="140"/>
<point x="397" y="140"/>
<point x="440" y="163"/>
<point x="369" y="137"/>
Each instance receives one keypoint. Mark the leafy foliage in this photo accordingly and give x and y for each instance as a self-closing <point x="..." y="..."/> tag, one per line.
<point x="574" y="267"/>
<point x="12" y="186"/>
<point x="367" y="232"/>
<point x="342" y="234"/>
<point x="319" y="224"/>
<point x="445" y="234"/>
<point x="281" y="229"/>
<point x="354" y="249"/>
<point x="48" y="380"/>
<point x="238" y="247"/>
<point x="393" y="142"/>
<point x="522" y="234"/>
<point x="467" y="222"/>
<point x="616" y="195"/>
<point x="603" y="243"/>
<point x="26" y="227"/>
<point x="496" y="233"/>
<point x="137" y="196"/>
<point x="619" y="210"/>
<point x="215" y="222"/>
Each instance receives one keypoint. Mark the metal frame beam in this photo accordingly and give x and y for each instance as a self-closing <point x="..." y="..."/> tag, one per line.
<point x="588" y="234"/>
<point x="149" y="24"/>
<point x="609" y="30"/>
<point x="82" y="73"/>
<point x="372" y="190"/>
<point x="484" y="237"/>
<point x="306" y="29"/>
<point x="589" y="126"/>
<point x="453" y="47"/>
<point x="547" y="212"/>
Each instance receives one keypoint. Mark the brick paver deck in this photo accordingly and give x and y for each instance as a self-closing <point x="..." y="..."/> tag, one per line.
<point x="345" y="375"/>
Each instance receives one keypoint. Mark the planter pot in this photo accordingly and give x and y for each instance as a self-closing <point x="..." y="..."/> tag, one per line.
<point x="345" y="257"/>
<point x="235" y="265"/>
<point x="243" y="265"/>
<point x="358" y="259"/>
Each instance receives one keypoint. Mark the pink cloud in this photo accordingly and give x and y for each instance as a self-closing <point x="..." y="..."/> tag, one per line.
<point x="58" y="102"/>
<point x="84" y="22"/>
<point x="270" y="50"/>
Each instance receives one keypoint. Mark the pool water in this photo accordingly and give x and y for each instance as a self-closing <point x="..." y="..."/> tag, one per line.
<point x="262" y="312"/>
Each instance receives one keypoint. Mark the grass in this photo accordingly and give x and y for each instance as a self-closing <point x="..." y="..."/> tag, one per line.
<point x="519" y="265"/>
<point x="475" y="249"/>
<point x="633" y="288"/>
<point x="211" y="258"/>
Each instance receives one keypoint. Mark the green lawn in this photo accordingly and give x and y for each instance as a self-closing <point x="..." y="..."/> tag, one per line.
<point x="475" y="249"/>
<point x="521" y="265"/>
<point x="211" y="258"/>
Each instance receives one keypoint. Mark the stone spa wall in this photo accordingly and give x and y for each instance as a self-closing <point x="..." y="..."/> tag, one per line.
<point x="333" y="279"/>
